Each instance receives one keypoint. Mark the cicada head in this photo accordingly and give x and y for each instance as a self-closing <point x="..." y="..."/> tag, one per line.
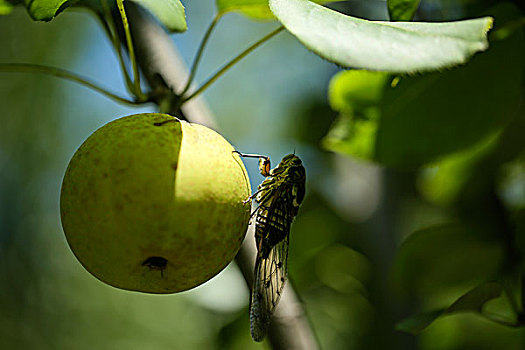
<point x="264" y="166"/>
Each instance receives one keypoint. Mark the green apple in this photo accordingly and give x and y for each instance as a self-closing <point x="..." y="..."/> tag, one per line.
<point x="154" y="204"/>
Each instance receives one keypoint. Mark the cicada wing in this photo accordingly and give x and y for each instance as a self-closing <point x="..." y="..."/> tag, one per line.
<point x="269" y="279"/>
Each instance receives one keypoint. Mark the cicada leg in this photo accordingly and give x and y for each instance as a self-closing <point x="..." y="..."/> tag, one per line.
<point x="264" y="162"/>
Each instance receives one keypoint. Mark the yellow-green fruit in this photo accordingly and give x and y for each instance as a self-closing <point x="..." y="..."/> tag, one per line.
<point x="154" y="204"/>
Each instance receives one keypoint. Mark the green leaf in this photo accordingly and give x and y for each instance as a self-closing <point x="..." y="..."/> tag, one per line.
<point x="45" y="10"/>
<point x="354" y="89"/>
<point x="401" y="47"/>
<point x="444" y="180"/>
<point x="402" y="10"/>
<point x="476" y="298"/>
<point x="255" y="9"/>
<point x="473" y="301"/>
<point x="356" y="95"/>
<point x="169" y="12"/>
<point x="353" y="135"/>
<point x="5" y="7"/>
<point x="416" y="323"/>
<point x="442" y="258"/>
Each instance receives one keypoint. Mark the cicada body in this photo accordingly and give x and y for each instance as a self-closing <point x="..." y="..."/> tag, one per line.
<point x="278" y="198"/>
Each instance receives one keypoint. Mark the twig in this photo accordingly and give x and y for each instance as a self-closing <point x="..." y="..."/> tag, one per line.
<point x="106" y="18"/>
<point x="200" y="51"/>
<point x="64" y="74"/>
<point x="243" y="54"/>
<point x="137" y="91"/>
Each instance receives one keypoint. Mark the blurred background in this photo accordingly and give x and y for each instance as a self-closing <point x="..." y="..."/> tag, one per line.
<point x="372" y="244"/>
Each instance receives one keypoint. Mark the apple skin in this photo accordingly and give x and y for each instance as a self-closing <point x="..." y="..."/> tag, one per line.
<point x="153" y="204"/>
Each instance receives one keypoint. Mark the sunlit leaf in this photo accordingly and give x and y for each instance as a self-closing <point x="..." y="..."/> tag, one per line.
<point x="45" y="10"/>
<point x="385" y="46"/>
<point x="402" y="10"/>
<point x="169" y="12"/>
<point x="473" y="301"/>
<point x="5" y="7"/>
<point x="353" y="136"/>
<point x="255" y="9"/>
<point x="353" y="89"/>
<point x="356" y="95"/>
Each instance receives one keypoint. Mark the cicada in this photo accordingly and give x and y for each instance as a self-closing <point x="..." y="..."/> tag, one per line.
<point x="278" y="198"/>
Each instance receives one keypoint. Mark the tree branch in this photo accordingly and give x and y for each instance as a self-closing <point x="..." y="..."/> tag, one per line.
<point x="162" y="67"/>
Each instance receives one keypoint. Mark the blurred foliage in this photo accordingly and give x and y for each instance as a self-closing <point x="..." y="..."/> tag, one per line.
<point x="472" y="301"/>
<point x="371" y="246"/>
<point x="417" y="274"/>
<point x="356" y="95"/>
<point x="474" y="100"/>
<point x="254" y="9"/>
<point x="467" y="110"/>
<point x="458" y="134"/>
<point x="402" y="10"/>
<point x="5" y="7"/>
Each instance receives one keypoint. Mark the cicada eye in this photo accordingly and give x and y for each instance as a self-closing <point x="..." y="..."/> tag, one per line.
<point x="264" y="166"/>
